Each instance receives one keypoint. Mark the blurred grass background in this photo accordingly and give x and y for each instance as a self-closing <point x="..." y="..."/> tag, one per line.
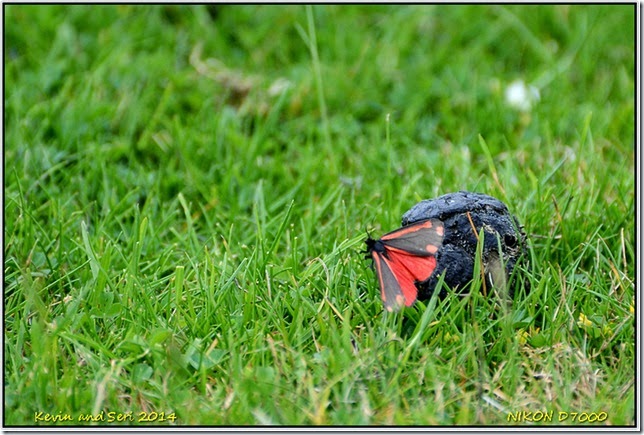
<point x="187" y="189"/>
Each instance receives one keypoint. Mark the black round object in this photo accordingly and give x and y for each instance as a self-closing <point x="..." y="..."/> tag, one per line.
<point x="455" y="259"/>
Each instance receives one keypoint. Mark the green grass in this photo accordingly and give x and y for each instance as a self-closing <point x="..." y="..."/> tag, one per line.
<point x="181" y="238"/>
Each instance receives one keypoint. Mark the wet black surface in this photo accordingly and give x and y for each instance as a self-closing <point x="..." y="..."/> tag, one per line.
<point x="455" y="258"/>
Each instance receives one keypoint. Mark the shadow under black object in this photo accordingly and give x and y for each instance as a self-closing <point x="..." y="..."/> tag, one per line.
<point x="455" y="259"/>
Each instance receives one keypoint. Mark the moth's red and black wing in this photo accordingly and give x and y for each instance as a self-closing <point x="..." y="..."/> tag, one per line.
<point x="421" y="238"/>
<point x="403" y="257"/>
<point x="408" y="270"/>
<point x="391" y="288"/>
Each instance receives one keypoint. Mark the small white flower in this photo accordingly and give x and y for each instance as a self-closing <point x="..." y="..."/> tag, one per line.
<point x="520" y="96"/>
<point x="278" y="86"/>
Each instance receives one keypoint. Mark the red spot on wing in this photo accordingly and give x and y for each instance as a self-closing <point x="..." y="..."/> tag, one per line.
<point x="431" y="248"/>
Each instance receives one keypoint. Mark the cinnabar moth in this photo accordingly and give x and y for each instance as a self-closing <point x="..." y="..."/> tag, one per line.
<point x="404" y="257"/>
